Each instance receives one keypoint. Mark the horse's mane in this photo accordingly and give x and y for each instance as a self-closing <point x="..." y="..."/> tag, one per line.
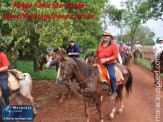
<point x="161" y="55"/>
<point x="86" y="69"/>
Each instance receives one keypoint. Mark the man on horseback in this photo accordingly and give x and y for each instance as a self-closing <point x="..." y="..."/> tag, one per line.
<point x="123" y="50"/>
<point x="137" y="46"/>
<point x="4" y="63"/>
<point x="107" y="53"/>
<point x="73" y="50"/>
<point x="157" y="49"/>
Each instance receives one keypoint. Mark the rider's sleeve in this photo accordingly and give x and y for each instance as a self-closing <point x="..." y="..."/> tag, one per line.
<point x="77" y="49"/>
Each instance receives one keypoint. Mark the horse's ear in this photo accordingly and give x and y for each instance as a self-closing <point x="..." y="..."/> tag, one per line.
<point x="63" y="58"/>
<point x="92" y="54"/>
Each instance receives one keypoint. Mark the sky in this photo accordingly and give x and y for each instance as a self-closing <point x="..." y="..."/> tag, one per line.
<point x="155" y="26"/>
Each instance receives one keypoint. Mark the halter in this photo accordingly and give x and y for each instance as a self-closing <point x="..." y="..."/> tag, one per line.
<point x="72" y="84"/>
<point x="53" y="61"/>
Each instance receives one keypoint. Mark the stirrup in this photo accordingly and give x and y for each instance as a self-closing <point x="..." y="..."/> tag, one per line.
<point x="104" y="85"/>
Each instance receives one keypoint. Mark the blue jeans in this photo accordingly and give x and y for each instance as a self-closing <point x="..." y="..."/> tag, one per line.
<point x="4" y="84"/>
<point x="125" y="55"/>
<point x="111" y="70"/>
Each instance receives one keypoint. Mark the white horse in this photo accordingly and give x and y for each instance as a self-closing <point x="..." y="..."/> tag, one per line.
<point x="25" y="90"/>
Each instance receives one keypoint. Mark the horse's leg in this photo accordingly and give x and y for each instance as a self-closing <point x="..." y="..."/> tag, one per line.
<point x="87" y="107"/>
<point x="63" y="94"/>
<point x="27" y="95"/>
<point x="120" y="96"/>
<point x="113" y="110"/>
<point x="41" y="65"/>
<point x="57" y="66"/>
<point x="122" y="106"/>
<point x="69" y="91"/>
<point x="98" y="105"/>
<point x="18" y="100"/>
<point x="25" y="90"/>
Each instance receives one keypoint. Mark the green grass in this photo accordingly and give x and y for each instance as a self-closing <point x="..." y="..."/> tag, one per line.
<point x="28" y="66"/>
<point x="146" y="64"/>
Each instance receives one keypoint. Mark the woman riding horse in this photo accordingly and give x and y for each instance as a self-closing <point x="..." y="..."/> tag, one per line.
<point x="123" y="53"/>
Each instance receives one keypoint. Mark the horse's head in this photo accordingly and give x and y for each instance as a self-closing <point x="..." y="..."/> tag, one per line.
<point x="61" y="51"/>
<point x="65" y="71"/>
<point x="91" y="59"/>
<point x="51" y="58"/>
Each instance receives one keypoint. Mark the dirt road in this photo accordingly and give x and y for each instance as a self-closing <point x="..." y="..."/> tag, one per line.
<point x="139" y="107"/>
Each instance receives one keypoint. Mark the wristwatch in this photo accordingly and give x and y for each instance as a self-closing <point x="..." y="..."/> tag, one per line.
<point x="107" y="59"/>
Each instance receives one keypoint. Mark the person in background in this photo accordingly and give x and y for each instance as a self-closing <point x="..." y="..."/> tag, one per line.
<point x="4" y="63"/>
<point x="157" y="49"/>
<point x="73" y="50"/>
<point x="119" y="56"/>
<point x="107" y="53"/>
<point x="137" y="46"/>
<point x="123" y="49"/>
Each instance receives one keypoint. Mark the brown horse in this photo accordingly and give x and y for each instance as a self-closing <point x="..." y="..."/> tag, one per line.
<point x="158" y="68"/>
<point x="55" y="59"/>
<point x="136" y="55"/>
<point x="91" y="59"/>
<point x="46" y="57"/>
<point x="87" y="77"/>
<point x="129" y="55"/>
<point x="123" y="58"/>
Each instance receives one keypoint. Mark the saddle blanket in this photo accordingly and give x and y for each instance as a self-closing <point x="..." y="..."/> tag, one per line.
<point x="104" y="76"/>
<point x="13" y="79"/>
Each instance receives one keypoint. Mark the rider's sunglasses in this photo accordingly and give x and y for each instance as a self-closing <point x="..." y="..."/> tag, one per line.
<point x="105" y="35"/>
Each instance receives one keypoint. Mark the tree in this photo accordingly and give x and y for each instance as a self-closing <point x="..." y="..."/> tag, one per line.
<point x="143" y="34"/>
<point x="151" y="9"/>
<point x="33" y="36"/>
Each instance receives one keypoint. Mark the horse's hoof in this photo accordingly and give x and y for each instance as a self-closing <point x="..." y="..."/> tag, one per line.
<point x="119" y="112"/>
<point x="101" y="120"/>
<point x="34" y="114"/>
<point x="111" y="116"/>
<point x="60" y="101"/>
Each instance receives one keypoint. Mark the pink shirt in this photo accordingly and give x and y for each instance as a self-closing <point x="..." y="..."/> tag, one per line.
<point x="123" y="48"/>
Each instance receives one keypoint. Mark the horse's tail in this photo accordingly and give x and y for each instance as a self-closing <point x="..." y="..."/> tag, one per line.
<point x="129" y="83"/>
<point x="30" y="79"/>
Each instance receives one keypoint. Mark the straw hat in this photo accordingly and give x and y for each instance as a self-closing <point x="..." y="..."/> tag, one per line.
<point x="108" y="33"/>
<point x="160" y="39"/>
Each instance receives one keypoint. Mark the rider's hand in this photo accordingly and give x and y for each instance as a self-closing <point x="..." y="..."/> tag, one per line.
<point x="104" y="60"/>
<point x="69" y="53"/>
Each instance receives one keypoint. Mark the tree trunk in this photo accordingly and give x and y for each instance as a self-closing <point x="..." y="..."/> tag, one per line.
<point x="36" y="64"/>
<point x="13" y="65"/>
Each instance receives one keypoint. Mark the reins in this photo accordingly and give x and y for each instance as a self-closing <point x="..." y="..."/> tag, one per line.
<point x="86" y="89"/>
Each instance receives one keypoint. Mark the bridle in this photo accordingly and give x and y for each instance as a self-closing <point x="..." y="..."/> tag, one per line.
<point x="86" y="90"/>
<point x="53" y="61"/>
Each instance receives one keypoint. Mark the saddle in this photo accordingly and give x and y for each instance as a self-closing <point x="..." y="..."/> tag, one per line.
<point x="104" y="76"/>
<point x="13" y="79"/>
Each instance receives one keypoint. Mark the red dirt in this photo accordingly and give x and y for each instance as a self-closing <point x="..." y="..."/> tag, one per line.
<point x="139" y="106"/>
